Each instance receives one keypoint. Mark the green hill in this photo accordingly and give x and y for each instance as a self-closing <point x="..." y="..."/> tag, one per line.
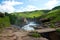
<point x="57" y="7"/>
<point x="31" y="14"/>
<point x="53" y="13"/>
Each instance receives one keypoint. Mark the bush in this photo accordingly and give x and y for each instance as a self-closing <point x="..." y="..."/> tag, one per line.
<point x="4" y="22"/>
<point x="1" y="14"/>
<point x="52" y="25"/>
<point x="58" y="30"/>
<point x="35" y="34"/>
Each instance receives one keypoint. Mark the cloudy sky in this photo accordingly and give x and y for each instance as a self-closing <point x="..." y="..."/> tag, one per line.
<point x="27" y="5"/>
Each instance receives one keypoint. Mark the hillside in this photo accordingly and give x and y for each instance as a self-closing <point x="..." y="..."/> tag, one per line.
<point x="55" y="14"/>
<point x="57" y="7"/>
<point x="38" y="13"/>
<point x="31" y="14"/>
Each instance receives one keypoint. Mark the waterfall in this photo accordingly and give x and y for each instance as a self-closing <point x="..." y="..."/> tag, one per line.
<point x="29" y="26"/>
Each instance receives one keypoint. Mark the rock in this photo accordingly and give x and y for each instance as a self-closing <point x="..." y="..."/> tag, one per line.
<point x="18" y="35"/>
<point x="32" y="38"/>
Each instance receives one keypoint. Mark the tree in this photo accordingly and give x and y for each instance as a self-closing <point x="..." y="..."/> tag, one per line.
<point x="57" y="7"/>
<point x="1" y="14"/>
<point x="6" y="14"/>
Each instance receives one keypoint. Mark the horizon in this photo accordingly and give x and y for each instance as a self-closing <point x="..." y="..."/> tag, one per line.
<point x="11" y="6"/>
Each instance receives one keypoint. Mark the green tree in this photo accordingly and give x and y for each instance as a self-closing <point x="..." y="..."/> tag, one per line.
<point x="6" y="14"/>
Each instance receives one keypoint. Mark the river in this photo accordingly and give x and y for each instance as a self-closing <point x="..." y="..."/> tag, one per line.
<point x="30" y="26"/>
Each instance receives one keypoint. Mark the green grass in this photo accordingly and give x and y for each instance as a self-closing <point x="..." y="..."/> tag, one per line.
<point x="4" y="22"/>
<point x="53" y="13"/>
<point x="35" y="34"/>
<point x="28" y="14"/>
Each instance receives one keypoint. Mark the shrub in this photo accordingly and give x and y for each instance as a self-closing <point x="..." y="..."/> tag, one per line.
<point x="58" y="30"/>
<point x="1" y="15"/>
<point x="4" y="22"/>
<point x="52" y="25"/>
<point x="35" y="34"/>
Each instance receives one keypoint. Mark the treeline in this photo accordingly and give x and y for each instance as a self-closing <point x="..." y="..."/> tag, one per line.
<point x="7" y="19"/>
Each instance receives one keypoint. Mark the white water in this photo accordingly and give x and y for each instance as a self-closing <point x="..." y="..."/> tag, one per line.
<point x="29" y="27"/>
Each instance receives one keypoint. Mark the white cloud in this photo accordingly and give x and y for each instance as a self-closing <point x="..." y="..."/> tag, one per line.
<point x="8" y="6"/>
<point x="29" y="8"/>
<point x="33" y="0"/>
<point x="50" y="4"/>
<point x="11" y="3"/>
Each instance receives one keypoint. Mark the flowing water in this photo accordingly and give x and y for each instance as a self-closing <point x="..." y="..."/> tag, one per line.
<point x="29" y="26"/>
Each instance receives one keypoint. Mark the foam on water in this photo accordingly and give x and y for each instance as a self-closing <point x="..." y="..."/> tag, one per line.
<point x="28" y="26"/>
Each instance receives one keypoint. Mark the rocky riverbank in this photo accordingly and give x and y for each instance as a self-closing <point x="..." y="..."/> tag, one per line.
<point x="12" y="33"/>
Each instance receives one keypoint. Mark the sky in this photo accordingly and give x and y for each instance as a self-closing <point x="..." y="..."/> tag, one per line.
<point x="27" y="5"/>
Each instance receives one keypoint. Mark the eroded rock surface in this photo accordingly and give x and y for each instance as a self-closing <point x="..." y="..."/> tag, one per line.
<point x="14" y="34"/>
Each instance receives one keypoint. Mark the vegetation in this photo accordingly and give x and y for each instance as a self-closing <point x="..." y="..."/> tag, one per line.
<point x="58" y="30"/>
<point x="52" y="25"/>
<point x="35" y="34"/>
<point x="4" y="21"/>
<point x="15" y="18"/>
<point x="57" y="7"/>
<point x="29" y="14"/>
<point x="55" y="14"/>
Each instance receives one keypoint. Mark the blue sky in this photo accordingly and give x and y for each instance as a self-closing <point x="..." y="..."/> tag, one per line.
<point x="27" y="5"/>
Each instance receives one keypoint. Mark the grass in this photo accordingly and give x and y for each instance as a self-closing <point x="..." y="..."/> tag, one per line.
<point x="4" y="22"/>
<point x="28" y="14"/>
<point x="35" y="34"/>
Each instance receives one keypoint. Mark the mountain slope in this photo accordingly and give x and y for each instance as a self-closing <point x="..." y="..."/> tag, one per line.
<point x="57" y="7"/>
<point x="55" y="14"/>
<point x="31" y="14"/>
